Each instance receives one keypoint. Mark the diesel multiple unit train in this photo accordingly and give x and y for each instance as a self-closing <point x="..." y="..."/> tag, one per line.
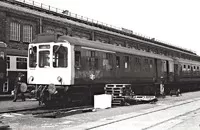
<point x="66" y="69"/>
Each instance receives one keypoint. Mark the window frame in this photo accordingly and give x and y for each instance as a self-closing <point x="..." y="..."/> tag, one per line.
<point x="21" y="60"/>
<point x="15" y="31"/>
<point x="27" y="33"/>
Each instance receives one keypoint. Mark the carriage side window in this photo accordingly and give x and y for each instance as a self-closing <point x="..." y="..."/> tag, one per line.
<point x="77" y="58"/>
<point x="137" y="67"/>
<point x="21" y="63"/>
<point x="107" y="64"/>
<point x="188" y="67"/>
<point x="92" y="59"/>
<point x="8" y="62"/>
<point x="33" y="56"/>
<point x="146" y="65"/>
<point x="117" y="61"/>
<point x="151" y="64"/>
<point x="127" y="62"/>
<point x="60" y="56"/>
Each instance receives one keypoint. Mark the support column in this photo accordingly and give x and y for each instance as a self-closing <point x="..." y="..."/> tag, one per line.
<point x="40" y="26"/>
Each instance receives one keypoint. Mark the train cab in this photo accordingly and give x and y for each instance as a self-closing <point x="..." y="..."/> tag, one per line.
<point x="50" y="63"/>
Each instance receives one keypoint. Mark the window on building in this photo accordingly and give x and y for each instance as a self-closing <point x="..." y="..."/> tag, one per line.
<point x="14" y="31"/>
<point x="27" y="33"/>
<point x="8" y="62"/>
<point x="21" y="63"/>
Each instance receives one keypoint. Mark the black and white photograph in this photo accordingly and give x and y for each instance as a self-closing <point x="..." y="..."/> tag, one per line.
<point x="99" y="65"/>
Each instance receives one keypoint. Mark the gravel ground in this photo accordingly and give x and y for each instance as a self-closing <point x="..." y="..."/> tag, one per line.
<point x="8" y="105"/>
<point x="19" y="121"/>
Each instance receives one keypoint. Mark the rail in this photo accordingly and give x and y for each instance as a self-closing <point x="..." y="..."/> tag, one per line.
<point x="76" y="16"/>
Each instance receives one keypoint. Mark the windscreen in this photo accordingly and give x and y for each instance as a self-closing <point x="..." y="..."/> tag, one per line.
<point x="60" y="55"/>
<point x="44" y="59"/>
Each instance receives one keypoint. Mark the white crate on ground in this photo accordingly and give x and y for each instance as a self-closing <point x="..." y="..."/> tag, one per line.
<point x="102" y="101"/>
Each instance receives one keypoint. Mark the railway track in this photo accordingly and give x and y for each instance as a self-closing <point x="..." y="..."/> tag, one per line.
<point x="158" y="116"/>
<point x="55" y="112"/>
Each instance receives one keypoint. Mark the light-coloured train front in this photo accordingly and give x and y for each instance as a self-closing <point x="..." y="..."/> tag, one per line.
<point x="50" y="65"/>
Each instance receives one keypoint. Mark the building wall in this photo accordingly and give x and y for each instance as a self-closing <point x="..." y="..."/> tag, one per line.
<point x="47" y="22"/>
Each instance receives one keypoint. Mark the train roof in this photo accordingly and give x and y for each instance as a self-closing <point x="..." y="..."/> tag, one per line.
<point x="108" y="47"/>
<point x="185" y="61"/>
<point x="2" y="44"/>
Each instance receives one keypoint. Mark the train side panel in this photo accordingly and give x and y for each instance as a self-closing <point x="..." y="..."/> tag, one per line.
<point x="96" y="66"/>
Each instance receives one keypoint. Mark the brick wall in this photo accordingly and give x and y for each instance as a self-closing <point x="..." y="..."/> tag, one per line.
<point x="2" y="26"/>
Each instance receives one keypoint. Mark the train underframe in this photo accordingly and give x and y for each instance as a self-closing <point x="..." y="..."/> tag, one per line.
<point x="84" y="94"/>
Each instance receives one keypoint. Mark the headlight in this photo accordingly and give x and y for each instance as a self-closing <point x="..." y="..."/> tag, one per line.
<point x="59" y="79"/>
<point x="52" y="88"/>
<point x="30" y="79"/>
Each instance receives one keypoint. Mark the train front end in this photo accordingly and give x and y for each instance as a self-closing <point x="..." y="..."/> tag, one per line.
<point x="49" y="69"/>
